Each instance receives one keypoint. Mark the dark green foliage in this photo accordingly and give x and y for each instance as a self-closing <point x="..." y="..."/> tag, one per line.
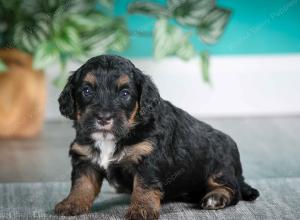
<point x="60" y="30"/>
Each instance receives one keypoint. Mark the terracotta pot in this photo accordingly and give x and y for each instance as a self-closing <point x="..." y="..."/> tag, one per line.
<point x="22" y="96"/>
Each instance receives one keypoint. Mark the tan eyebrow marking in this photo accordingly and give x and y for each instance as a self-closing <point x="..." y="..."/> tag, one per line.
<point x="123" y="79"/>
<point x="91" y="78"/>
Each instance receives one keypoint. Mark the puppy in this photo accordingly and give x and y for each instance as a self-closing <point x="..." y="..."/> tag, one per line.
<point x="143" y="145"/>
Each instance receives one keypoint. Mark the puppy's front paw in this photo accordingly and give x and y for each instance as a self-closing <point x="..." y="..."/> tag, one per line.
<point x="69" y="207"/>
<point x="141" y="213"/>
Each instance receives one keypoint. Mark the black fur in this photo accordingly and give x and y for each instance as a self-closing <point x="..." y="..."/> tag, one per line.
<point x="186" y="153"/>
<point x="66" y="100"/>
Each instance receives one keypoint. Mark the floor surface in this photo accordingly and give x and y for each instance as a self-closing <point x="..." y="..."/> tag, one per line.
<point x="269" y="148"/>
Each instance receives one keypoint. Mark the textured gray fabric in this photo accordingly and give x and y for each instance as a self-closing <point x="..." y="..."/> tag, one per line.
<point x="280" y="199"/>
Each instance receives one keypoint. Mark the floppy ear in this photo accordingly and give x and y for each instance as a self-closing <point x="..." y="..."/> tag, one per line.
<point x="66" y="99"/>
<point x="148" y="95"/>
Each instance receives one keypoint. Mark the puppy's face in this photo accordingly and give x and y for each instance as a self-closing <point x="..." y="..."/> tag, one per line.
<point x="106" y="97"/>
<point x="106" y="102"/>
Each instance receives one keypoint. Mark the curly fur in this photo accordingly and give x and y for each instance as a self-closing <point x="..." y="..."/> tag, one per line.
<point x="186" y="158"/>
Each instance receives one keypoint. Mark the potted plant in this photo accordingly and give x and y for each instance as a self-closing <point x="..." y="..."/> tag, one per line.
<point x="41" y="33"/>
<point x="177" y="21"/>
<point x="37" y="33"/>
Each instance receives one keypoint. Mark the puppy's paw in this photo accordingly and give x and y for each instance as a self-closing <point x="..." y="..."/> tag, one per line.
<point x="69" y="207"/>
<point x="214" y="200"/>
<point x="141" y="213"/>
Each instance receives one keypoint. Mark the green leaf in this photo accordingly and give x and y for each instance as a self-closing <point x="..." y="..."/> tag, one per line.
<point x="45" y="54"/>
<point x="3" y="67"/>
<point x="170" y="40"/>
<point x="114" y="36"/>
<point x="60" y="80"/>
<point x="100" y="43"/>
<point x="106" y="3"/>
<point x="186" y="49"/>
<point x="84" y="23"/>
<point x="121" y="40"/>
<point x="82" y="7"/>
<point x="42" y="31"/>
<point x="29" y="35"/>
<point x="148" y="8"/>
<point x="24" y="38"/>
<point x="68" y="41"/>
<point x="190" y="12"/>
<point x="204" y="58"/>
<point x="213" y="24"/>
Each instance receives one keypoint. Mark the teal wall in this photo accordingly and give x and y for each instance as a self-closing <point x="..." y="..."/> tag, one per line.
<point x="256" y="27"/>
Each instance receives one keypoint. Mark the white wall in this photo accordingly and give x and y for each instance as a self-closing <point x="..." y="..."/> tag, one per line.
<point x="241" y="85"/>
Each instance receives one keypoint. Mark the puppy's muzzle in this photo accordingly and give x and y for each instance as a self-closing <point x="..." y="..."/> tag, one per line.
<point x="104" y="120"/>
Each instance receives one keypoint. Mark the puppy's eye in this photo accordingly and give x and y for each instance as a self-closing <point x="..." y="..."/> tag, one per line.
<point x="124" y="94"/>
<point x="87" y="91"/>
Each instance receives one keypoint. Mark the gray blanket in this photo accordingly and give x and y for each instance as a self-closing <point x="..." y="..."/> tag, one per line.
<point x="280" y="199"/>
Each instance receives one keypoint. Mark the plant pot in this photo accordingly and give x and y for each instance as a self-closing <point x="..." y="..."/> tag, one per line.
<point x="22" y="96"/>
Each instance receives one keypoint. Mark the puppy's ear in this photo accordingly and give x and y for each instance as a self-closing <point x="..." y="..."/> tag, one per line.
<point x="149" y="97"/>
<point x="66" y="99"/>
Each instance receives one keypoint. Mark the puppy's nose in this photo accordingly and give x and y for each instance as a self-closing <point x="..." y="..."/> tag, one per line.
<point x="104" y="118"/>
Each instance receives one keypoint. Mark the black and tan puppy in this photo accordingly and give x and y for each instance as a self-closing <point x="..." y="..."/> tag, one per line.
<point x="142" y="144"/>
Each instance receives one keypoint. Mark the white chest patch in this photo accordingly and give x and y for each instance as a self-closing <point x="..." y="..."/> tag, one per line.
<point x="106" y="144"/>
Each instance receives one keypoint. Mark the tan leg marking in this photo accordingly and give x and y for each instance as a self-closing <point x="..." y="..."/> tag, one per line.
<point x="145" y="202"/>
<point x="83" y="192"/>
<point x="219" y="196"/>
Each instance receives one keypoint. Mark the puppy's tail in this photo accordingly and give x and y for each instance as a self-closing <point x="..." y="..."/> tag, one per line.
<point x="248" y="192"/>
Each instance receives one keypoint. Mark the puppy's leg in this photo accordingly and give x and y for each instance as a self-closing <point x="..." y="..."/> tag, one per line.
<point x="222" y="191"/>
<point x="145" y="202"/>
<point x="86" y="184"/>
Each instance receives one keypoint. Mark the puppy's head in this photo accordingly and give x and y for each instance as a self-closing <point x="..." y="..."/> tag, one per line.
<point x="108" y="95"/>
